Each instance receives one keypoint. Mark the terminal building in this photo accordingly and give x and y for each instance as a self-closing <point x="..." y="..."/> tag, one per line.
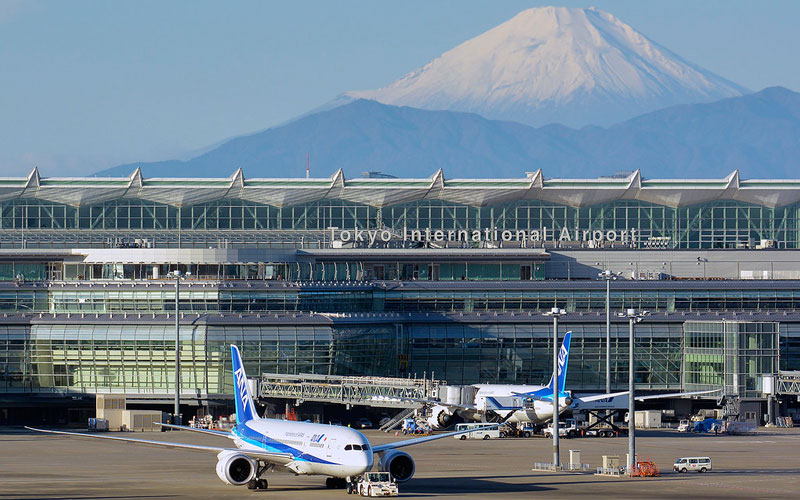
<point x="390" y="277"/>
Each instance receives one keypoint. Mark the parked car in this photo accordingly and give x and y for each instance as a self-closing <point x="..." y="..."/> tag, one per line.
<point x="362" y="423"/>
<point x="686" y="464"/>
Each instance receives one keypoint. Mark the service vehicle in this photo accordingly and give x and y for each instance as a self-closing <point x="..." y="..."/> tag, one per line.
<point x="605" y="431"/>
<point x="567" y="429"/>
<point x="375" y="484"/>
<point x="479" y="431"/>
<point x="520" y="430"/>
<point x="686" y="464"/>
<point x="685" y="426"/>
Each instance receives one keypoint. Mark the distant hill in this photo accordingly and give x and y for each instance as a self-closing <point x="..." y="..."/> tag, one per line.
<point x="759" y="134"/>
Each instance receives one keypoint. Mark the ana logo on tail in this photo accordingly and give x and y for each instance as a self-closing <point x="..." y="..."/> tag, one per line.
<point x="241" y="387"/>
<point x="245" y="409"/>
<point x="563" y="360"/>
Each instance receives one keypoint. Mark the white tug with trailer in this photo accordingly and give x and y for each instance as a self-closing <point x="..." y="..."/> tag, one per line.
<point x="374" y="484"/>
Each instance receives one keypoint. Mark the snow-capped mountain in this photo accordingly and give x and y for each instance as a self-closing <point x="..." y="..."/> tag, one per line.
<point x="552" y="64"/>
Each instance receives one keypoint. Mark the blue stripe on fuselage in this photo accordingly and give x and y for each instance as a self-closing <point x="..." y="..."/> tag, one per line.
<point x="498" y="406"/>
<point x="264" y="442"/>
<point x="547" y="393"/>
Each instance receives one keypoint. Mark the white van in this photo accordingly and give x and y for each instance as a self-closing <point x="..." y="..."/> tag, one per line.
<point x="480" y="431"/>
<point x="699" y="464"/>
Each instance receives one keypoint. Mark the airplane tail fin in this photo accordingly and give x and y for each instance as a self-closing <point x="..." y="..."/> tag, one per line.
<point x="563" y="361"/>
<point x="245" y="409"/>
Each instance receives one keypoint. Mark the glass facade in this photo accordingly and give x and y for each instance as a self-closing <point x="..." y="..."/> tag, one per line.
<point x="441" y="299"/>
<point x="523" y="354"/>
<point x="139" y="358"/>
<point x="730" y="354"/>
<point x="714" y="224"/>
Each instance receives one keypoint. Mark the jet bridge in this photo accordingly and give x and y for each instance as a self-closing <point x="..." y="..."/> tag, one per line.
<point x="788" y="382"/>
<point x="383" y="392"/>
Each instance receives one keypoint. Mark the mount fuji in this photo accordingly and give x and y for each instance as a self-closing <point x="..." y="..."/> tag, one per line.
<point x="546" y="65"/>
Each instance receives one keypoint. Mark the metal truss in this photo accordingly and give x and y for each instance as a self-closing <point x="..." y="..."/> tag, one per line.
<point x="366" y="391"/>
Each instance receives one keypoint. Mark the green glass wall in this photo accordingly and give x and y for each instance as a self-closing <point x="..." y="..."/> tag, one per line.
<point x="730" y="355"/>
<point x="717" y="224"/>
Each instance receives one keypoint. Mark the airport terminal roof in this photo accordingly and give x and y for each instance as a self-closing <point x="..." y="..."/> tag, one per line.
<point x="379" y="192"/>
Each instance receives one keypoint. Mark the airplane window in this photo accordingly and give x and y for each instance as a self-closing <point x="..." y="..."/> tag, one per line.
<point x="365" y="446"/>
<point x="356" y="446"/>
<point x="348" y="447"/>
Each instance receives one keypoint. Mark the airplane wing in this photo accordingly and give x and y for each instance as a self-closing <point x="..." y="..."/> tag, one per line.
<point x="673" y="394"/>
<point x="202" y="431"/>
<point x="425" y="439"/>
<point x="276" y="458"/>
<point x="595" y="397"/>
<point x="531" y="396"/>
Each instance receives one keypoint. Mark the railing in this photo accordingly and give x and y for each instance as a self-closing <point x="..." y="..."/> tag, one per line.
<point x="370" y="391"/>
<point x="397" y="420"/>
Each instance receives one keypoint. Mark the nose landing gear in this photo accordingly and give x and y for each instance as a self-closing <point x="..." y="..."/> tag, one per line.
<point x="335" y="483"/>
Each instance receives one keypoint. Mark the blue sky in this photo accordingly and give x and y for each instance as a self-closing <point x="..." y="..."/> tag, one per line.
<point x="86" y="85"/>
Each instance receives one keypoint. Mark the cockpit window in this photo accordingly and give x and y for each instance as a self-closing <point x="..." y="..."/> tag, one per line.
<point x="353" y="447"/>
<point x="348" y="447"/>
<point x="365" y="446"/>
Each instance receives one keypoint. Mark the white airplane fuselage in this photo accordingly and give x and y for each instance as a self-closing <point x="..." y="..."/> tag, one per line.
<point x="317" y="448"/>
<point x="507" y="401"/>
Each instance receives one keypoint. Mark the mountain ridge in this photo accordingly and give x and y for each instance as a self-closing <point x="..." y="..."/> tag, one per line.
<point x="757" y="134"/>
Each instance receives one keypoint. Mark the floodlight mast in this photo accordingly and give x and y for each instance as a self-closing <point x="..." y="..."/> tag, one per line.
<point x="555" y="313"/>
<point x="633" y="316"/>
<point x="177" y="276"/>
<point x="608" y="275"/>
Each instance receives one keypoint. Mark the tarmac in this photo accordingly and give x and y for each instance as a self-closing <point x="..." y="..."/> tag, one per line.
<point x="55" y="467"/>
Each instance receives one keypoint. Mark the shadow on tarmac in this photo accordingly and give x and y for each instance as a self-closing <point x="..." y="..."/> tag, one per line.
<point x="435" y="486"/>
<point x="72" y="497"/>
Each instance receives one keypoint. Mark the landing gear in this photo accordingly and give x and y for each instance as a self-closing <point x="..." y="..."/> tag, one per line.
<point x="258" y="484"/>
<point x="335" y="483"/>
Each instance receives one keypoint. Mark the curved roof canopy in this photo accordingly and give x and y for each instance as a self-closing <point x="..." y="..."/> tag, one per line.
<point x="387" y="192"/>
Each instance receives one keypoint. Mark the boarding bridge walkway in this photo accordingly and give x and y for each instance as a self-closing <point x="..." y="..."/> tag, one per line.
<point x="383" y="392"/>
<point x="788" y="382"/>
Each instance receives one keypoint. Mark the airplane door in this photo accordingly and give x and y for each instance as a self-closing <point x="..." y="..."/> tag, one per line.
<point x="329" y="450"/>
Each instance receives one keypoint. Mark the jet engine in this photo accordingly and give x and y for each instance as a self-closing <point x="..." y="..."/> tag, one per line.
<point x="440" y="418"/>
<point x="236" y="468"/>
<point x="399" y="464"/>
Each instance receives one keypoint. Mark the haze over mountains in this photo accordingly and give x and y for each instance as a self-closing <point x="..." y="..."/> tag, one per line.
<point x="565" y="65"/>
<point x="759" y="134"/>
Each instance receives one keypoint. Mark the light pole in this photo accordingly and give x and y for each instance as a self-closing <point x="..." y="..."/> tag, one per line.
<point x="608" y="276"/>
<point x="177" y="412"/>
<point x="555" y="313"/>
<point x="633" y="316"/>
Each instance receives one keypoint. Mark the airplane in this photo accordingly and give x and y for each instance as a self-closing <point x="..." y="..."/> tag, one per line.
<point x="263" y="444"/>
<point x="522" y="404"/>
